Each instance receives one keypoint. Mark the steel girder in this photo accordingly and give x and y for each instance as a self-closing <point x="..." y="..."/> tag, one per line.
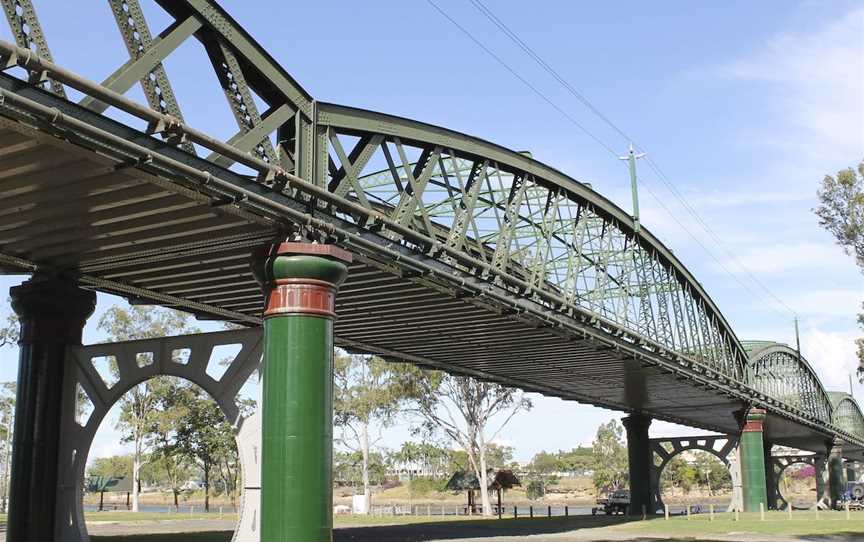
<point x="445" y="204"/>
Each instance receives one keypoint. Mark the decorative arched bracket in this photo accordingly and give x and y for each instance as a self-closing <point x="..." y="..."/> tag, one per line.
<point x="184" y="356"/>
<point x="724" y="447"/>
<point x="780" y="463"/>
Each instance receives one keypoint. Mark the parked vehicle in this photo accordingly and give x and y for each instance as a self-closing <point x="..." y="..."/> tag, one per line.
<point x="854" y="495"/>
<point x="616" y="502"/>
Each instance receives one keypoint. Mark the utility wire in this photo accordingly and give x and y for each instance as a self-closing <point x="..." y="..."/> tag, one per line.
<point x="652" y="164"/>
<point x="523" y="80"/>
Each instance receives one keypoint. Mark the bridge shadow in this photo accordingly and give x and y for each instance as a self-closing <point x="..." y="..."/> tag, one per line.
<point x="472" y="529"/>
<point x="419" y="532"/>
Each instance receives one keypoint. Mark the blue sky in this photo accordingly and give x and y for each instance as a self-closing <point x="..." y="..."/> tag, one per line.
<point x="744" y="105"/>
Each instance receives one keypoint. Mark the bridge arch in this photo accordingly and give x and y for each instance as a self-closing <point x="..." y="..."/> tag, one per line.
<point x="780" y="372"/>
<point x="847" y="414"/>
<point x="723" y="447"/>
<point x="523" y="220"/>
<point x="77" y="432"/>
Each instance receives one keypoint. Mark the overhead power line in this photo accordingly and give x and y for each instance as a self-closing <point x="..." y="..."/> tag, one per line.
<point x="490" y="15"/>
<point x="527" y="83"/>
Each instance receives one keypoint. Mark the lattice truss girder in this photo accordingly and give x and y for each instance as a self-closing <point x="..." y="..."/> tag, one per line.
<point x="513" y="220"/>
<point x="246" y="75"/>
<point x="781" y="374"/>
<point x="224" y="364"/>
<point x="847" y="416"/>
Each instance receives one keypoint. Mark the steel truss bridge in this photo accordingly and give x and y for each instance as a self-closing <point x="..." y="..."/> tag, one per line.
<point x="469" y="257"/>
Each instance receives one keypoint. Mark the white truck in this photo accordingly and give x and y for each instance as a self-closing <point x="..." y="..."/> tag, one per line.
<point x="616" y="502"/>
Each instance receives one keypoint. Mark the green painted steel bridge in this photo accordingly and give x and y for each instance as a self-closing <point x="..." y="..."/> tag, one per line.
<point x="468" y="256"/>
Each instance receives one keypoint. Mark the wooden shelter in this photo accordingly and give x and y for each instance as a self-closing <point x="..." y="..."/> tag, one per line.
<point x="467" y="481"/>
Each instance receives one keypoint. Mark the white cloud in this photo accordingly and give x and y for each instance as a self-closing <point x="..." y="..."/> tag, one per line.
<point x="832" y="355"/>
<point x="819" y="77"/>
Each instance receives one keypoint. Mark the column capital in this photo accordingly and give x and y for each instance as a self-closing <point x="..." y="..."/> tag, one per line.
<point x="51" y="309"/>
<point x="754" y="420"/>
<point x="301" y="278"/>
<point x="636" y="421"/>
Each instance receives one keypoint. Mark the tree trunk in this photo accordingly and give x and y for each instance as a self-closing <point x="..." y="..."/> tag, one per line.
<point x="176" y="501"/>
<point x="484" y="477"/>
<point x="364" y="449"/>
<point x="136" y="468"/>
<point x="206" y="487"/>
<point x="101" y="500"/>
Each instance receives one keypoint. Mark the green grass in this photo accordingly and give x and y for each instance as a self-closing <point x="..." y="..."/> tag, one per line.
<point x="777" y="523"/>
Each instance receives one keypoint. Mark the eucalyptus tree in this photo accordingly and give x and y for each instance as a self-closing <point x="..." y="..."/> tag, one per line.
<point x="841" y="212"/>
<point x="138" y="406"/>
<point x="472" y="414"/>
<point x="203" y="435"/>
<point x="368" y="394"/>
<point x="610" y="457"/>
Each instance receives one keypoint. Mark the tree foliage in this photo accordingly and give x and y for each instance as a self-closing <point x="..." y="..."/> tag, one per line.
<point x="610" y="457"/>
<point x="368" y="393"/>
<point x="137" y="407"/>
<point x="576" y="460"/>
<point x="205" y="437"/>
<point x="841" y="212"/>
<point x="696" y="470"/>
<point x="464" y="409"/>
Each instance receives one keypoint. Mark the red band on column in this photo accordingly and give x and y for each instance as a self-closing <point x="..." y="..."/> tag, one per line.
<point x="755" y="420"/>
<point x="302" y="296"/>
<point x="754" y="426"/>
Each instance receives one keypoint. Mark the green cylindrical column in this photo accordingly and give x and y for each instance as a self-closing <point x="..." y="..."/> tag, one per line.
<point x="836" y="478"/>
<point x="299" y="282"/>
<point x="753" y="461"/>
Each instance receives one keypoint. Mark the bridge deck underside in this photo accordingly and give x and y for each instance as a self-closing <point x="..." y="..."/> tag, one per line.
<point x="149" y="239"/>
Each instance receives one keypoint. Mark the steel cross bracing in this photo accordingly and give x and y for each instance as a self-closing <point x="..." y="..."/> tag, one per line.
<point x="439" y="221"/>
